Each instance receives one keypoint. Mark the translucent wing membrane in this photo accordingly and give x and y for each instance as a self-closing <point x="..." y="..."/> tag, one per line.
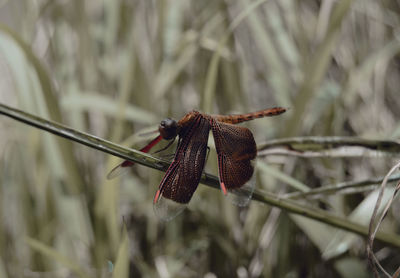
<point x="120" y="169"/>
<point x="183" y="175"/>
<point x="166" y="209"/>
<point x="236" y="149"/>
<point x="241" y="196"/>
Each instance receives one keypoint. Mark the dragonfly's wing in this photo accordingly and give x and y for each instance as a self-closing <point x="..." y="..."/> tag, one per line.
<point x="120" y="169"/>
<point x="123" y="167"/>
<point x="236" y="149"/>
<point x="241" y="196"/>
<point x="184" y="173"/>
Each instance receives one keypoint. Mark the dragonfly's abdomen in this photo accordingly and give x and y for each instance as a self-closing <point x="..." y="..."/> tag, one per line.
<point x="235" y="119"/>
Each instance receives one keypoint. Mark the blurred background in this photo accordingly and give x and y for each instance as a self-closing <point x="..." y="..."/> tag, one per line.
<point x="115" y="68"/>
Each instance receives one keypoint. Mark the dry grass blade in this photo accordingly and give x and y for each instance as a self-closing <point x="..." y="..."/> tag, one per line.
<point x="317" y="66"/>
<point x="212" y="71"/>
<point x="50" y="252"/>
<point x="121" y="268"/>
<point x="374" y="227"/>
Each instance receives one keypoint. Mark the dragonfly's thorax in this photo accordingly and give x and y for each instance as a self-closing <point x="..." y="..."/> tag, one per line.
<point x="187" y="120"/>
<point x="168" y="128"/>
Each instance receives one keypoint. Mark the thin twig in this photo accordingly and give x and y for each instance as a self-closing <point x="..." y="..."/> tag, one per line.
<point x="333" y="189"/>
<point x="327" y="147"/>
<point x="207" y="179"/>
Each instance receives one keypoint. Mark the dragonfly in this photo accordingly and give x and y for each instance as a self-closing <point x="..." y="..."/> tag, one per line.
<point x="235" y="147"/>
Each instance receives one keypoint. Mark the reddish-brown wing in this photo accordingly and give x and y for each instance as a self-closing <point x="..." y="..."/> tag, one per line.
<point x="235" y="148"/>
<point x="184" y="173"/>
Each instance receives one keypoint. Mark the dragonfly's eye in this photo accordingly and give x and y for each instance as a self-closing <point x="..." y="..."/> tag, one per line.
<point x="168" y="128"/>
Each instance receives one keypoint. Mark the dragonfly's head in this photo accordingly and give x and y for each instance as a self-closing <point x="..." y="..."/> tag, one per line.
<point x="168" y="128"/>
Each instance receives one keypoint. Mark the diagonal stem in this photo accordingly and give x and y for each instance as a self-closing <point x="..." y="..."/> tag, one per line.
<point x="207" y="179"/>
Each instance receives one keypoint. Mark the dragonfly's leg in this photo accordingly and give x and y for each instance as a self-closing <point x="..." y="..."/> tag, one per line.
<point x="221" y="175"/>
<point x="167" y="146"/>
<point x="216" y="129"/>
<point x="208" y="152"/>
<point x="168" y="156"/>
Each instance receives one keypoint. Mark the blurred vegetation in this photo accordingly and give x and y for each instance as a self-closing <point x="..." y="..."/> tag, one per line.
<point x="116" y="68"/>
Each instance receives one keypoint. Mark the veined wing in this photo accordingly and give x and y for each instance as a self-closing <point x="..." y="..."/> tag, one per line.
<point x="236" y="149"/>
<point x="184" y="173"/>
